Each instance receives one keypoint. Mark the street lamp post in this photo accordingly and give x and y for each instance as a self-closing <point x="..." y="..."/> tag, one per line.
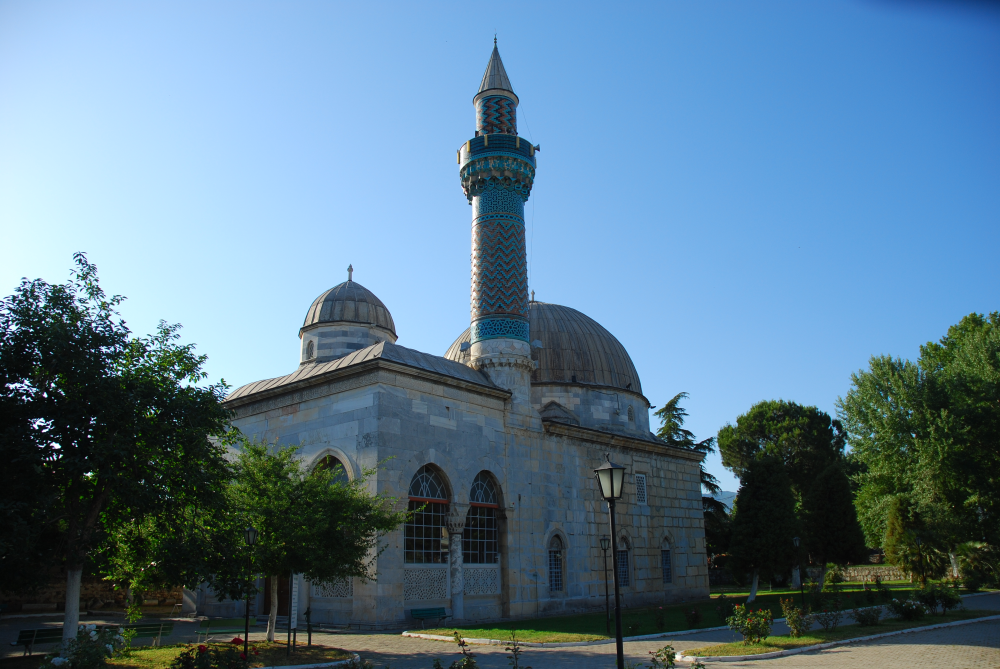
<point x="605" y="545"/>
<point x="610" y="478"/>
<point x="250" y="535"/>
<point x="802" y="591"/>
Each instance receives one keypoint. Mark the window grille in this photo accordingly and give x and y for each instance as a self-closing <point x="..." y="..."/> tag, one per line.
<point x="631" y="415"/>
<point x="668" y="573"/>
<point x="310" y="350"/>
<point x="622" y="565"/>
<point x="422" y="535"/>
<point x="480" y="537"/>
<point x="555" y="565"/>
<point x="640" y="489"/>
<point x="483" y="491"/>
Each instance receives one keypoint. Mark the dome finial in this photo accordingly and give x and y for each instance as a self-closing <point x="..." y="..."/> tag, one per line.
<point x="532" y="296"/>
<point x="350" y="272"/>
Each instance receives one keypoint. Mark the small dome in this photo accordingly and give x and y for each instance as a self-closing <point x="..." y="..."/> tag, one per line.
<point x="350" y="302"/>
<point x="572" y="345"/>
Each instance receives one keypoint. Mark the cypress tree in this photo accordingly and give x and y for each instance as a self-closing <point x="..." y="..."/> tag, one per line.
<point x="832" y="531"/>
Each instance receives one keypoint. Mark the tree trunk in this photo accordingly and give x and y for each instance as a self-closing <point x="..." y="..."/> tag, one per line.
<point x="954" y="565"/>
<point x="822" y="577"/>
<point x="796" y="578"/>
<point x="71" y="621"/>
<point x="272" y="618"/>
<point x="753" y="588"/>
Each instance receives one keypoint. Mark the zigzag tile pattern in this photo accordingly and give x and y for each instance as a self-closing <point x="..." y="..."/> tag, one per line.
<point x="499" y="272"/>
<point x="496" y="115"/>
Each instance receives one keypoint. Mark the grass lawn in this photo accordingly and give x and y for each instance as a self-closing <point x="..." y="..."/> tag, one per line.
<point x="773" y="643"/>
<point x="635" y="621"/>
<point x="159" y="657"/>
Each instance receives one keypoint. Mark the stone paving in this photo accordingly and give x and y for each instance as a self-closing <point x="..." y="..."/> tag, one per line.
<point x="969" y="646"/>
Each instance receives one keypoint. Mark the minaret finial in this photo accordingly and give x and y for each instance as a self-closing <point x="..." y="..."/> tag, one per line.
<point x="350" y="272"/>
<point x="494" y="39"/>
<point x="532" y="296"/>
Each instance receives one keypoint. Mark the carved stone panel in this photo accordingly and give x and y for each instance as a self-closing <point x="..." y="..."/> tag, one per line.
<point x="482" y="581"/>
<point x="341" y="588"/>
<point x="431" y="583"/>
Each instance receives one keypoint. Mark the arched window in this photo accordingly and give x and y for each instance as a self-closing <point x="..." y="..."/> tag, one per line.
<point x="423" y="533"/>
<point x="555" y="564"/>
<point x="665" y="565"/>
<point x="621" y="563"/>
<point x="480" y="540"/>
<point x="631" y="414"/>
<point x="310" y="350"/>
<point x="331" y="463"/>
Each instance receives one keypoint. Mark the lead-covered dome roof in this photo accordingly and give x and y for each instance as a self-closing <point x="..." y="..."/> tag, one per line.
<point x="349" y="302"/>
<point x="566" y="344"/>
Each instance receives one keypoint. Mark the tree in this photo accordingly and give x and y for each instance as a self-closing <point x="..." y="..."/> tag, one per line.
<point x="309" y="523"/>
<point x="804" y="438"/>
<point x="927" y="431"/>
<point x="763" y="521"/>
<point x="673" y="432"/>
<point x="830" y="522"/>
<point x="106" y="429"/>
<point x="904" y="526"/>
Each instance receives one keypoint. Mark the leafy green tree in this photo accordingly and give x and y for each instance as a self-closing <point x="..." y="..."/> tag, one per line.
<point x="927" y="431"/>
<point x="311" y="523"/>
<point x="904" y="526"/>
<point x="764" y="521"/>
<point x="830" y="522"/>
<point x="804" y="438"/>
<point x="104" y="428"/>
<point x="673" y="432"/>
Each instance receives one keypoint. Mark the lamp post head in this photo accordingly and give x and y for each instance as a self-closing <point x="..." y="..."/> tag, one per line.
<point x="610" y="478"/>
<point x="605" y="543"/>
<point x="795" y="541"/>
<point x="251" y="536"/>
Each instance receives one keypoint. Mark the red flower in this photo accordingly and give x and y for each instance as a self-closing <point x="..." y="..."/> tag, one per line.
<point x="202" y="648"/>
<point x="243" y="656"/>
<point x="236" y="640"/>
<point x="256" y="652"/>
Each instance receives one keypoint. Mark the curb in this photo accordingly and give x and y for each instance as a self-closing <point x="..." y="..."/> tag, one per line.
<point x="831" y="644"/>
<point x="338" y="663"/>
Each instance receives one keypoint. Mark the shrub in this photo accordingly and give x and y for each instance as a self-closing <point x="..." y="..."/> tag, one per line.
<point x="724" y="606"/>
<point x="693" y="617"/>
<point x="972" y="582"/>
<point x="795" y="617"/>
<point x="834" y="575"/>
<point x="754" y="626"/>
<point x="663" y="658"/>
<point x="828" y="619"/>
<point x="907" y="609"/>
<point x="228" y="656"/>
<point x="867" y="617"/>
<point x="659" y="618"/>
<point x="89" y="650"/>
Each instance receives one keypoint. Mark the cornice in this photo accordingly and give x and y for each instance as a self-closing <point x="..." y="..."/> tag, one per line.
<point x="618" y="440"/>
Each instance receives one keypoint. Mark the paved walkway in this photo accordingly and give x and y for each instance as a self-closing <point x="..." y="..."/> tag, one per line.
<point x="964" y="647"/>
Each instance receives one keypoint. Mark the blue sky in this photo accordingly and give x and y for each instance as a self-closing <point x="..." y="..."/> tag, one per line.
<point x="753" y="197"/>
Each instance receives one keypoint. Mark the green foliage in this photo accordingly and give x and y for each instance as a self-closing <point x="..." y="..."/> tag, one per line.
<point x="101" y="430"/>
<point x="665" y="658"/>
<point x="908" y="609"/>
<point x="830" y="521"/>
<point x="795" y="617"/>
<point x="90" y="649"/>
<point x="754" y="626"/>
<point x="904" y="526"/>
<point x="867" y="616"/>
<point x="979" y="564"/>
<point x="938" y="596"/>
<point x="215" y="656"/>
<point x="764" y="521"/>
<point x="693" y="617"/>
<point x="515" y="650"/>
<point x="804" y="439"/>
<point x="927" y="431"/>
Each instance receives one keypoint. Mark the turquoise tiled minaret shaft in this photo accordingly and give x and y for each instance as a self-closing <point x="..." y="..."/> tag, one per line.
<point x="497" y="172"/>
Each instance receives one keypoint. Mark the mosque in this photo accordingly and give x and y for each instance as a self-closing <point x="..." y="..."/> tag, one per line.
<point x="497" y="439"/>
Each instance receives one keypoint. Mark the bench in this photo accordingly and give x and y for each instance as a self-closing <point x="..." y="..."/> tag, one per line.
<point x="153" y="631"/>
<point x="221" y="626"/>
<point x="424" y="614"/>
<point x="29" y="638"/>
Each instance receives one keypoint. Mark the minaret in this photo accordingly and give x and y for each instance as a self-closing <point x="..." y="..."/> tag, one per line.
<point x="497" y="172"/>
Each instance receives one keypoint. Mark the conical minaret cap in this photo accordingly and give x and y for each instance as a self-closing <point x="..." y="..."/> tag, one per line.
<point x="495" y="77"/>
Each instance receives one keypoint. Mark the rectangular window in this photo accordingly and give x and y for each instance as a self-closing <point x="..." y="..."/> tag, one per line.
<point x="422" y="535"/>
<point x="668" y="572"/>
<point x="555" y="571"/>
<point x="640" y="489"/>
<point x="480" y="537"/>
<point x="623" y="568"/>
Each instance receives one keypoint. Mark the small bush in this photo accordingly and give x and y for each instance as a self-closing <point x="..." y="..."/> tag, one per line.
<point x="754" y="626"/>
<point x="228" y="656"/>
<point x="89" y="650"/>
<point x="867" y="617"/>
<point x="724" y="606"/>
<point x="659" y="618"/>
<point x="908" y="609"/>
<point x="828" y="619"/>
<point x="972" y="582"/>
<point x="663" y="658"/>
<point x="795" y="617"/>
<point x="693" y="617"/>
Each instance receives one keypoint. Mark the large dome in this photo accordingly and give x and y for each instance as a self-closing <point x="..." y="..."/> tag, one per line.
<point x="569" y="347"/>
<point x="350" y="302"/>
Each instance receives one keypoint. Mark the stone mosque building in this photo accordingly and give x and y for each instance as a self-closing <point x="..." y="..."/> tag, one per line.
<point x="498" y="438"/>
